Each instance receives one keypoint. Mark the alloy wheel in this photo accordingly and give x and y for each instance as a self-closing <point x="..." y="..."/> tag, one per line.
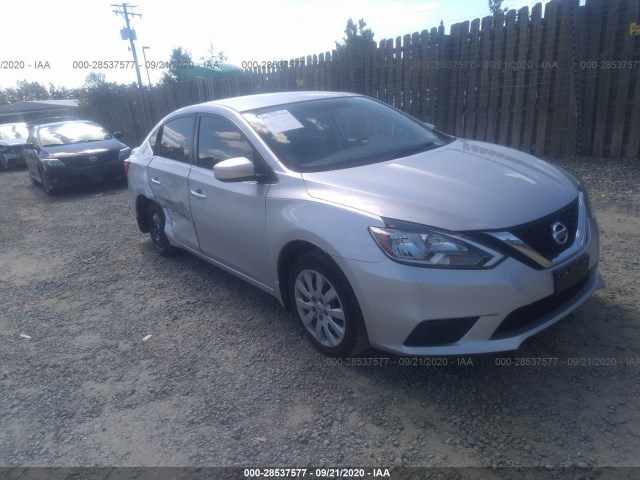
<point x="320" y="308"/>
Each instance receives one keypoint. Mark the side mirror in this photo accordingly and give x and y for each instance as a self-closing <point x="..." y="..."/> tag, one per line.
<point x="118" y="135"/>
<point x="234" y="170"/>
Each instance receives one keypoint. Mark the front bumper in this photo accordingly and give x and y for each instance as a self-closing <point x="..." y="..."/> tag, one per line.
<point x="395" y="299"/>
<point x="87" y="174"/>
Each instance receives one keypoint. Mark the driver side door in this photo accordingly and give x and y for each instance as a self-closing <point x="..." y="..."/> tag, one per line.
<point x="229" y="216"/>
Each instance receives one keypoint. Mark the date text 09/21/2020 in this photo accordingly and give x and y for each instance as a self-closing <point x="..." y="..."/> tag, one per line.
<point x="500" y="361"/>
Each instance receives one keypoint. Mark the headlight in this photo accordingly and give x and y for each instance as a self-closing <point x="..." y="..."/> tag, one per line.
<point x="432" y="248"/>
<point x="53" y="162"/>
<point x="124" y="153"/>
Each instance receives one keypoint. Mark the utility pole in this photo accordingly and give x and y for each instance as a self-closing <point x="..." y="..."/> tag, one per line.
<point x="127" y="33"/>
<point x="146" y="65"/>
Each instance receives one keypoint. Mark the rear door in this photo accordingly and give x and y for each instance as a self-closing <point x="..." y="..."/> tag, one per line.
<point x="168" y="176"/>
<point x="229" y="216"/>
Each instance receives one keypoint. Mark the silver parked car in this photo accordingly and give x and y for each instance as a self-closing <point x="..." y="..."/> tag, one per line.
<point x="373" y="228"/>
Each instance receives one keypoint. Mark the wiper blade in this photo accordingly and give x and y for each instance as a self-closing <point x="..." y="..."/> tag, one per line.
<point x="405" y="152"/>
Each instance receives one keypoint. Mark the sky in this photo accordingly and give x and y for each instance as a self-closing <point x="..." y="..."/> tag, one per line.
<point x="54" y="42"/>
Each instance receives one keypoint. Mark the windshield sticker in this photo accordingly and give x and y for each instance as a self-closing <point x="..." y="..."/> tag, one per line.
<point x="280" y="121"/>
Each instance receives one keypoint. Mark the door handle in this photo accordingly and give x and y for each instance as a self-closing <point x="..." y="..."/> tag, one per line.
<point x="156" y="181"/>
<point x="198" y="194"/>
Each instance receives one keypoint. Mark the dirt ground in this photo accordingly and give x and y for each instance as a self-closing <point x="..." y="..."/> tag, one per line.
<point x="228" y="379"/>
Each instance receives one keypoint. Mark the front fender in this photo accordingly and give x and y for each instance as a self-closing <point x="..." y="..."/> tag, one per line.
<point x="338" y="230"/>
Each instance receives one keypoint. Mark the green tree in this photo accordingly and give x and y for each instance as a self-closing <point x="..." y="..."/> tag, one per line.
<point x="495" y="7"/>
<point x="353" y="52"/>
<point x="25" y="91"/>
<point x="31" y="91"/>
<point x="178" y="61"/>
<point x="4" y="98"/>
<point x="213" y="58"/>
<point x="95" y="79"/>
<point x="97" y="91"/>
<point x="357" y="36"/>
<point x="62" y="93"/>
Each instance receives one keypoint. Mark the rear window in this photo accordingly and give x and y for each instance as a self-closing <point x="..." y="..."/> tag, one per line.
<point x="336" y="133"/>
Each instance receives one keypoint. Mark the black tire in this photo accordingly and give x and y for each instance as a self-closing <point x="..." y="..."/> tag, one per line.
<point x="46" y="183"/>
<point x="311" y="276"/>
<point x="156" y="222"/>
<point x="32" y="178"/>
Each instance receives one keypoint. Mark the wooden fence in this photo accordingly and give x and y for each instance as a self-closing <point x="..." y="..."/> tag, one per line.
<point x="562" y="81"/>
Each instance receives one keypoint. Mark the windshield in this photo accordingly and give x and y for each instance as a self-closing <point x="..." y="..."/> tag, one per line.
<point x="336" y="133"/>
<point x="71" y="132"/>
<point x="12" y="131"/>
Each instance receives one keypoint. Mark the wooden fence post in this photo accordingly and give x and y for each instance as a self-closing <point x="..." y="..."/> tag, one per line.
<point x="603" y="91"/>
<point x="521" y="65"/>
<point x="495" y="82"/>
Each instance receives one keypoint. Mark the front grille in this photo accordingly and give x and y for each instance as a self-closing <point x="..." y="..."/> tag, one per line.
<point x="432" y="333"/>
<point x="536" y="312"/>
<point x="538" y="235"/>
<point x="82" y="176"/>
<point x="83" y="160"/>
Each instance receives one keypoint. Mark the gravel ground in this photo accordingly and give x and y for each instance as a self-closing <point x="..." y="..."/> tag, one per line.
<point x="228" y="379"/>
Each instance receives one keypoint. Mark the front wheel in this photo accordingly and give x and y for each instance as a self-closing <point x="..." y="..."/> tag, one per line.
<point x="46" y="183"/>
<point x="156" y="222"/>
<point x="33" y="179"/>
<point x="325" y="305"/>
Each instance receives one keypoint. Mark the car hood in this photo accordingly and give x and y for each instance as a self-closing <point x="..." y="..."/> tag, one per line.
<point x="466" y="185"/>
<point x="83" y="149"/>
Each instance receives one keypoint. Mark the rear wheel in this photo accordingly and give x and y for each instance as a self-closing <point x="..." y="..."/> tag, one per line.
<point x="325" y="305"/>
<point x="156" y="222"/>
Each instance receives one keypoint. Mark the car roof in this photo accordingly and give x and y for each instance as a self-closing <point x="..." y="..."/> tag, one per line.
<point x="250" y="102"/>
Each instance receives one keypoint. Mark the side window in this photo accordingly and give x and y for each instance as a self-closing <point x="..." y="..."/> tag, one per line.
<point x="219" y="139"/>
<point x="176" y="140"/>
<point x="153" y="141"/>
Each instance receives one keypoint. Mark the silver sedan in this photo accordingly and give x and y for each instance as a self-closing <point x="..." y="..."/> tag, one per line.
<point x="372" y="227"/>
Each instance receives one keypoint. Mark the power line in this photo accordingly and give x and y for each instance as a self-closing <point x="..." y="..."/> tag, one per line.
<point x="127" y="33"/>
